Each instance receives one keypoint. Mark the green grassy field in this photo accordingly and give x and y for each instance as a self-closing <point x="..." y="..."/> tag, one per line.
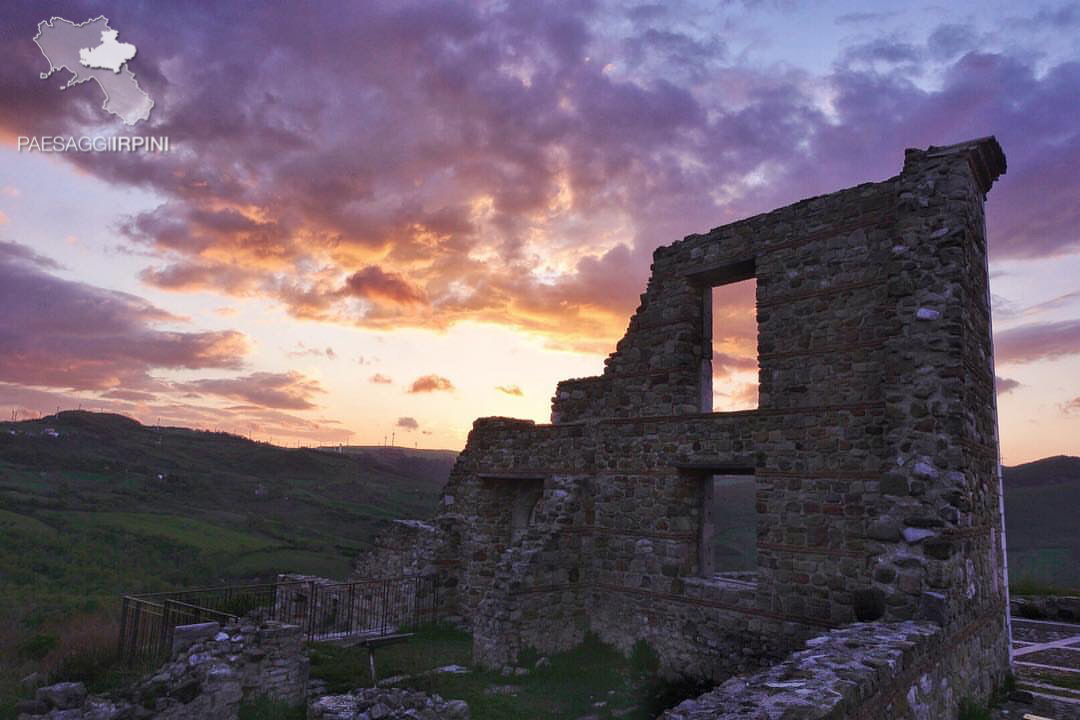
<point x="111" y="506"/>
<point x="1042" y="538"/>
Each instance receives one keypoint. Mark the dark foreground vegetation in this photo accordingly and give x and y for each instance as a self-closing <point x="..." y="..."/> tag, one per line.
<point x="1041" y="502"/>
<point x="593" y="679"/>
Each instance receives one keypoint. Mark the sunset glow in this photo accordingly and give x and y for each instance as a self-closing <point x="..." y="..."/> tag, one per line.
<point x="404" y="216"/>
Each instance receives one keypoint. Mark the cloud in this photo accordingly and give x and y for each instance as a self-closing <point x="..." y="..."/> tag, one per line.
<point x="16" y="255"/>
<point x="858" y="18"/>
<point x="517" y="164"/>
<point x="374" y="284"/>
<point x="408" y="423"/>
<point x="249" y="420"/>
<point x="135" y="396"/>
<point x="431" y="383"/>
<point x="303" y="350"/>
<point x="380" y="379"/>
<point x="1052" y="304"/>
<point x="1072" y="406"/>
<point x="724" y="364"/>
<point x="1005" y="385"/>
<point x="1037" y="341"/>
<point x="70" y="335"/>
<point x="510" y="390"/>
<point x="278" y="391"/>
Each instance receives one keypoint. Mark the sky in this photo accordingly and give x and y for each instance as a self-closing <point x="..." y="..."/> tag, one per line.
<point x="382" y="220"/>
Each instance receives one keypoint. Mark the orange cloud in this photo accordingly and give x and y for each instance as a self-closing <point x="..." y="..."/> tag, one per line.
<point x="279" y="391"/>
<point x="431" y="383"/>
<point x="373" y="283"/>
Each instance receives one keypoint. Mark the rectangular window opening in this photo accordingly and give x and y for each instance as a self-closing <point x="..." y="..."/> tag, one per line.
<point x="732" y="366"/>
<point x="728" y="542"/>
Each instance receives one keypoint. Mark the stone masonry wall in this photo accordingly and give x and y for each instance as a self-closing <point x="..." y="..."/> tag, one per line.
<point x="900" y="671"/>
<point x="874" y="446"/>
<point x="412" y="548"/>
<point x="213" y="670"/>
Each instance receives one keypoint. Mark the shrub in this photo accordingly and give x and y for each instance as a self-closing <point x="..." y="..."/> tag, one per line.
<point x="643" y="659"/>
<point x="971" y="710"/>
<point x="659" y="694"/>
<point x="86" y="652"/>
<point x="36" y="647"/>
<point x="265" y="708"/>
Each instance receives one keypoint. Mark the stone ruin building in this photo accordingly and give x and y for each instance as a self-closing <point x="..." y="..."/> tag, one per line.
<point x="873" y="454"/>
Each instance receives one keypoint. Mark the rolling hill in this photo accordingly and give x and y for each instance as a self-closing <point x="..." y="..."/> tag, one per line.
<point x="1042" y="499"/>
<point x="94" y="504"/>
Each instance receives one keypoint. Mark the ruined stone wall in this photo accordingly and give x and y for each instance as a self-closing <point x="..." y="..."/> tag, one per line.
<point x="873" y="448"/>
<point x="417" y="549"/>
<point x="901" y="671"/>
<point x="212" y="671"/>
<point x="407" y="547"/>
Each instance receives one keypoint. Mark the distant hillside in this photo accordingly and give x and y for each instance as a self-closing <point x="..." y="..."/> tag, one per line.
<point x="1042" y="499"/>
<point x="94" y="504"/>
<point x="434" y="465"/>
<point x="1048" y="471"/>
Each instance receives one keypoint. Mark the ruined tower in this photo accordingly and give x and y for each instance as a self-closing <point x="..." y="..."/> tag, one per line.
<point x="873" y="451"/>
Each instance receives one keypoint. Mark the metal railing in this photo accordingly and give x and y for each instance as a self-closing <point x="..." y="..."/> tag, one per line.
<point x="370" y="607"/>
<point x="327" y="611"/>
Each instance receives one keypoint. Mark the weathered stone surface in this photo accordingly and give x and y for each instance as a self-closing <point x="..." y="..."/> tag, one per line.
<point x="208" y="679"/>
<point x="62" y="696"/>
<point x="898" y="671"/>
<point x="387" y="704"/>
<point x="873" y="450"/>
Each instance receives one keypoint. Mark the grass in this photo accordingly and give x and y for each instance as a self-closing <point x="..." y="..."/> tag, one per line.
<point x="113" y="506"/>
<point x="971" y="710"/>
<point x="265" y="708"/>
<point x="1041" y="537"/>
<point x="571" y="685"/>
<point x="1027" y="585"/>
<point x="345" y="669"/>
<point x="198" y="534"/>
<point x="1071" y="682"/>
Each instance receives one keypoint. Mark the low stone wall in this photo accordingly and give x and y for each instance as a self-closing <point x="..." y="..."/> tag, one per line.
<point x="1060" y="608"/>
<point x="868" y="671"/>
<point x="387" y="704"/>
<point x="706" y="629"/>
<point x="213" y="671"/>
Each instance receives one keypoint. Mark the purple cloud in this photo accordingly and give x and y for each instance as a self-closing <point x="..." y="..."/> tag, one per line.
<point x="1038" y="341"/>
<point x="64" y="334"/>
<point x="1005" y="385"/>
<point x="278" y="391"/>
<point x="481" y="150"/>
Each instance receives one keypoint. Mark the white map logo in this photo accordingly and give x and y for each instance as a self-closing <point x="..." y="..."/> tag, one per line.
<point x="91" y="51"/>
